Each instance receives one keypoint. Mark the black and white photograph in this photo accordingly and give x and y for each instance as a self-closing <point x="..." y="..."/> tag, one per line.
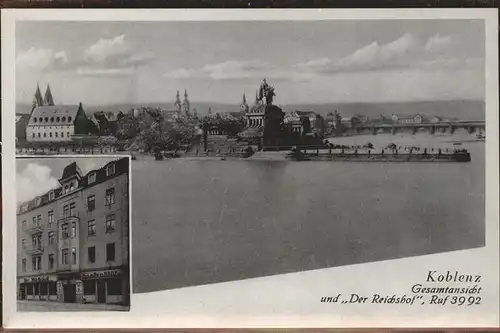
<point x="73" y="234"/>
<point x="294" y="159"/>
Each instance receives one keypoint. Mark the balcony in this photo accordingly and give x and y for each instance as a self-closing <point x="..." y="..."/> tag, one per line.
<point x="34" y="249"/>
<point x="34" y="229"/>
<point x="68" y="219"/>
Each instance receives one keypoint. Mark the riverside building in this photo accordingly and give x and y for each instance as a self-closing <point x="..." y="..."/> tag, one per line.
<point x="73" y="241"/>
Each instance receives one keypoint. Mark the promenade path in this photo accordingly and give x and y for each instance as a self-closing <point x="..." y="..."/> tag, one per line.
<point x="45" y="306"/>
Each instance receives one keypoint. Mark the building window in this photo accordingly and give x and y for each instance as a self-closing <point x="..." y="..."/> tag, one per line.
<point x="50" y="134"/>
<point x="44" y="135"/>
<point x="91" y="203"/>
<point x="92" y="178"/>
<point x="23" y="265"/>
<point x="46" y="119"/>
<point x="51" y="195"/>
<point x="64" y="256"/>
<point x="36" y="263"/>
<point x="91" y="228"/>
<point x="33" y="134"/>
<point x="51" y="237"/>
<point x="69" y="119"/>
<point x="72" y="207"/>
<point x="63" y="118"/>
<point x="34" y="120"/>
<point x="58" y="119"/>
<point x="73" y="229"/>
<point x="23" y="242"/>
<point x="110" y="251"/>
<point x="71" y="187"/>
<point x="34" y="221"/>
<point x="89" y="287"/>
<point x="68" y="134"/>
<point x="110" y="223"/>
<point x="110" y="196"/>
<point x="114" y="287"/>
<point x="36" y="240"/>
<point x="51" y="217"/>
<point x="73" y="255"/>
<point x="64" y="230"/>
<point x="38" y="201"/>
<point x="56" y="134"/>
<point x="91" y="254"/>
<point x="66" y="211"/>
<point x="23" y="225"/>
<point x="66" y="189"/>
<point x="51" y="261"/>
<point x="38" y="134"/>
<point x="51" y="119"/>
<point x="62" y="134"/>
<point x="110" y="170"/>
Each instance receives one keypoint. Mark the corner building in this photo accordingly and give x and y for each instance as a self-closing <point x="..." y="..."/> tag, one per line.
<point x="73" y="241"/>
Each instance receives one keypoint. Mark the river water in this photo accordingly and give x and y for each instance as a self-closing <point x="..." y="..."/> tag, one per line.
<point x="205" y="221"/>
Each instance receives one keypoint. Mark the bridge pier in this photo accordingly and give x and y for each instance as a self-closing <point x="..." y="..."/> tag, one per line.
<point x="394" y="130"/>
<point x="374" y="130"/>
<point x="433" y="130"/>
<point x="414" y="130"/>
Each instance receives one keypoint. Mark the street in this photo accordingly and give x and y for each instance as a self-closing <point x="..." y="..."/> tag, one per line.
<point x="45" y="306"/>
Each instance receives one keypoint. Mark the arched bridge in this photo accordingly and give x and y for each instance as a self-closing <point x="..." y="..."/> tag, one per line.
<point x="470" y="126"/>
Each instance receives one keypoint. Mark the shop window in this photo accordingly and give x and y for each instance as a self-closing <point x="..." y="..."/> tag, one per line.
<point x="110" y="196"/>
<point x="91" y="254"/>
<point x="110" y="223"/>
<point x="89" y="287"/>
<point x="91" y="203"/>
<point x="64" y="256"/>
<point x="91" y="228"/>
<point x="37" y="288"/>
<point x="114" y="286"/>
<point x="110" y="252"/>
<point x="29" y="289"/>
<point x="52" y="288"/>
<point x="44" y="288"/>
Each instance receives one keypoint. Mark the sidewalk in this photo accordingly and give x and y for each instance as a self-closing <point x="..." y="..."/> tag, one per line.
<point x="45" y="306"/>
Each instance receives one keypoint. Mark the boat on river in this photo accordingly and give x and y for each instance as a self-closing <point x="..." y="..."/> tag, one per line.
<point x="456" y="156"/>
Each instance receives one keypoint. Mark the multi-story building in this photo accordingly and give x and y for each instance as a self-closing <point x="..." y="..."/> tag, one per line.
<point x="73" y="241"/>
<point x="56" y="123"/>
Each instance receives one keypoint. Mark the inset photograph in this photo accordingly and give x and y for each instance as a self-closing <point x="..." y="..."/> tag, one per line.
<point x="73" y="233"/>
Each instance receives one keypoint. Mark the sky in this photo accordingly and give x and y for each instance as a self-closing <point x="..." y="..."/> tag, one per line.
<point x="99" y="63"/>
<point x="36" y="176"/>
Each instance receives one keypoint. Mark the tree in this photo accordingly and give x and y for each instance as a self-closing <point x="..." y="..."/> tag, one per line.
<point x="127" y="127"/>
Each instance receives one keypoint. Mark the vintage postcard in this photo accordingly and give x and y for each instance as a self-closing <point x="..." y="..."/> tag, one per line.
<point x="250" y="168"/>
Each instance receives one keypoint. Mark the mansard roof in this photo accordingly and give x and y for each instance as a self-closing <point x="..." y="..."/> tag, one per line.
<point x="54" y="115"/>
<point x="121" y="167"/>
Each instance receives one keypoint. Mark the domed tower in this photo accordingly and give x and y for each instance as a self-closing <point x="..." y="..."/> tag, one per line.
<point x="185" y="103"/>
<point x="177" y="104"/>
<point x="244" y="106"/>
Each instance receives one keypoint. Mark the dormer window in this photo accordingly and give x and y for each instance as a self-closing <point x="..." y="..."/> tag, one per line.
<point x="92" y="178"/>
<point x="66" y="188"/>
<point x="72" y="187"/>
<point x="69" y="119"/>
<point x="38" y="201"/>
<point x="34" y="120"/>
<point x="51" y="195"/>
<point x="110" y="170"/>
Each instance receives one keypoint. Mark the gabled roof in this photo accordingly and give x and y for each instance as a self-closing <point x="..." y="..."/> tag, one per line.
<point x="71" y="170"/>
<point x="54" y="115"/>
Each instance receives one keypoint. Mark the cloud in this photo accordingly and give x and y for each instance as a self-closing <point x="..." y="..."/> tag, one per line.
<point x="34" y="180"/>
<point x="105" y="49"/>
<point x="41" y="59"/>
<point x="437" y="43"/>
<point x="235" y="69"/>
<point x="89" y="71"/>
<point x="181" y="73"/>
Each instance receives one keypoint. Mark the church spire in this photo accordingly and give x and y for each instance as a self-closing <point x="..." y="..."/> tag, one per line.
<point x="185" y="94"/>
<point x="48" y="97"/>
<point x="37" y="99"/>
<point x="244" y="99"/>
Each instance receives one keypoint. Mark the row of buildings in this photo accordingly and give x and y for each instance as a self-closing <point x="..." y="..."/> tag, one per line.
<point x="73" y="241"/>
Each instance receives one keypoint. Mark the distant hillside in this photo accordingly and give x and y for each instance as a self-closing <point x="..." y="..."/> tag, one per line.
<point x="466" y="109"/>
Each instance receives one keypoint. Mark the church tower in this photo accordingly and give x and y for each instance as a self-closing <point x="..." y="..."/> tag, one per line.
<point x="244" y="106"/>
<point x="37" y="99"/>
<point x="177" y="104"/>
<point x="48" y="100"/>
<point x="185" y="104"/>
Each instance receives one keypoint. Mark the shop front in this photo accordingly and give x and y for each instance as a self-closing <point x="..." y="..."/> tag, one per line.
<point x="105" y="286"/>
<point x="40" y="288"/>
